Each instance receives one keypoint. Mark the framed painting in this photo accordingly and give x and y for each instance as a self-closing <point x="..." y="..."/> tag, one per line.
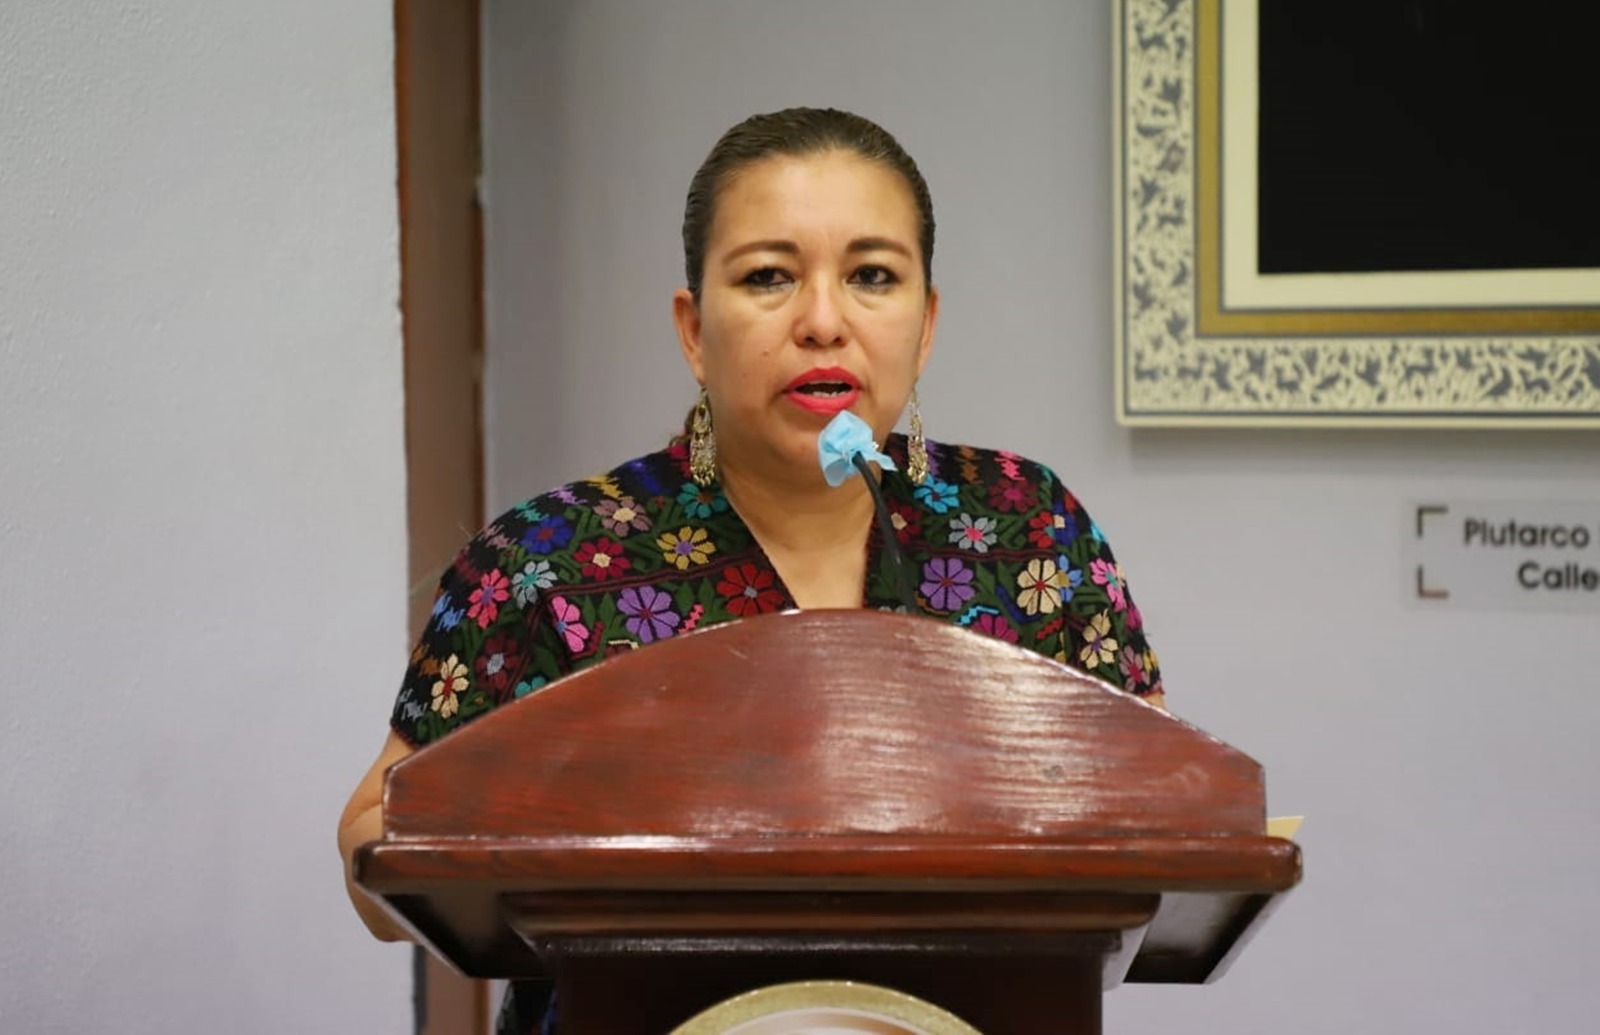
<point x="1377" y="212"/>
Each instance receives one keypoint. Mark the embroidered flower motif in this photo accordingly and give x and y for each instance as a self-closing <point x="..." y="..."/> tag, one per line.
<point x="994" y="625"/>
<point x="1040" y="587"/>
<point x="602" y="559"/>
<point x="1109" y="575"/>
<point x="936" y="495"/>
<point x="1042" y="529"/>
<point x="1131" y="664"/>
<point x="547" y="536"/>
<point x="947" y="583"/>
<point x="451" y="684"/>
<point x="907" y="522"/>
<point x="686" y="546"/>
<point x="701" y="503"/>
<point x="497" y="664"/>
<point x="1099" y="646"/>
<point x="970" y="533"/>
<point x="1070" y="579"/>
<point x="487" y="598"/>
<point x="1066" y="524"/>
<point x="649" y="611"/>
<point x="622" y="516"/>
<point x="565" y="613"/>
<point x="527" y="583"/>
<point x="1011" y="496"/>
<point x="528" y="686"/>
<point x="749" y="590"/>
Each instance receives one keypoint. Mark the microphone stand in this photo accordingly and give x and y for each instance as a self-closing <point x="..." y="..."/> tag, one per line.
<point x="898" y="573"/>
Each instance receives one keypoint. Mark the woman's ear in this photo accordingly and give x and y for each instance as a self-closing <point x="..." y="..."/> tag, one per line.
<point x="686" y="318"/>
<point x="930" y="321"/>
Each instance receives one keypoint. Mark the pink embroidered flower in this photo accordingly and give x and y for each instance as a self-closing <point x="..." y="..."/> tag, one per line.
<point x="1109" y="575"/>
<point x="1131" y="664"/>
<point x="994" y="625"/>
<point x="568" y="628"/>
<point x="492" y="590"/>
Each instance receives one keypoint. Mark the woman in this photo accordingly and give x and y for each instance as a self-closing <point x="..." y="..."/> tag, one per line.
<point x="808" y="246"/>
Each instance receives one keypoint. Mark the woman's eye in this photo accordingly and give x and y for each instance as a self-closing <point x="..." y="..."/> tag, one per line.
<point x="767" y="277"/>
<point x="873" y="277"/>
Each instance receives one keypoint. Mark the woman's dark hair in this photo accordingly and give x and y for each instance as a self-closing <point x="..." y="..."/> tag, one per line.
<point x="793" y="132"/>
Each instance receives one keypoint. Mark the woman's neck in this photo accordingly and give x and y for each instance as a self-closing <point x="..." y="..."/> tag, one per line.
<point x="800" y="518"/>
<point x="814" y="535"/>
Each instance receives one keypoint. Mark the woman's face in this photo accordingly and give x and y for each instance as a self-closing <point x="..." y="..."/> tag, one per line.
<point x="813" y="300"/>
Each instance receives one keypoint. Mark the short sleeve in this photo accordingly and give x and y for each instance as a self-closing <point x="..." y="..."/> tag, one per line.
<point x="482" y="645"/>
<point x="1104" y="634"/>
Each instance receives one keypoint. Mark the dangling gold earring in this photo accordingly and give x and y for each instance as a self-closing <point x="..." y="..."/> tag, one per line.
<point x="702" y="443"/>
<point x="916" y="445"/>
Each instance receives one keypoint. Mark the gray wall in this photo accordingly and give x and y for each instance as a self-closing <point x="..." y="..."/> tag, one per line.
<point x="1446" y="761"/>
<point x="202" y="510"/>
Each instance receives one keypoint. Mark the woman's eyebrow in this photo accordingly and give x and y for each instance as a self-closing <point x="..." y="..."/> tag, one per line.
<point x="784" y="247"/>
<point x="878" y="244"/>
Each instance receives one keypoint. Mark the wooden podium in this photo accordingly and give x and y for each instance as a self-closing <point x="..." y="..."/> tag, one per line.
<point x="830" y="795"/>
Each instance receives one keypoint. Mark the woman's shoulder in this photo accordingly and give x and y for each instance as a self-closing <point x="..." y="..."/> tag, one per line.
<point x="625" y="499"/>
<point x="964" y="468"/>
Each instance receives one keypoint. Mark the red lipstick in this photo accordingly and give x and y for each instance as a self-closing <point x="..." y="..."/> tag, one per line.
<point x="825" y="390"/>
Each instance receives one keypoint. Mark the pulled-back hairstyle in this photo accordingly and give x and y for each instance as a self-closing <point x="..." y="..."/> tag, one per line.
<point x="793" y="132"/>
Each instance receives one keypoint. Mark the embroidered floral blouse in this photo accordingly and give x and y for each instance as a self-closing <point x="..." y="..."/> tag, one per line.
<point x="995" y="543"/>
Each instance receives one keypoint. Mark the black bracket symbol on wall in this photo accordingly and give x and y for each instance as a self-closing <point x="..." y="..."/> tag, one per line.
<point x="1422" y="582"/>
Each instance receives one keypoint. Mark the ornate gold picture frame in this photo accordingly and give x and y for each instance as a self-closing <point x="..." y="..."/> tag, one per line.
<point x="1203" y="339"/>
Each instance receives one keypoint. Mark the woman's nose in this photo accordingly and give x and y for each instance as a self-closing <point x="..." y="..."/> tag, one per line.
<point x="820" y="319"/>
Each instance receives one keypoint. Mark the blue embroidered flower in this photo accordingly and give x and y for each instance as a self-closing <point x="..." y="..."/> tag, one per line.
<point x="1069" y="578"/>
<point x="548" y="536"/>
<point x="701" y="503"/>
<point x="936" y="495"/>
<point x="528" y="686"/>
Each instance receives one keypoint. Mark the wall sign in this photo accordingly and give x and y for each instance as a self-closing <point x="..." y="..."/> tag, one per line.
<point x="1503" y="555"/>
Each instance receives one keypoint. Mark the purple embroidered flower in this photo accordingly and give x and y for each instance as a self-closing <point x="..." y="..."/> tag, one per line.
<point x="649" y="611"/>
<point x="947" y="583"/>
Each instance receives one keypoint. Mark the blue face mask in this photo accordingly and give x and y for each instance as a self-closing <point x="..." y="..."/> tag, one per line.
<point x="846" y="437"/>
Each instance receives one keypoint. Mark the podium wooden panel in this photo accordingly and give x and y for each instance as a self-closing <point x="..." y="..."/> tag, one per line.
<point x="830" y="795"/>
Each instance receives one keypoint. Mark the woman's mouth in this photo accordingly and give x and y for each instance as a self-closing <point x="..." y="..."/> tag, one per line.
<point x="825" y="391"/>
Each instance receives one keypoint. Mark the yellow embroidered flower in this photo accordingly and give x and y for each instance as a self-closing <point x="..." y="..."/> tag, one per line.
<point x="1099" y="646"/>
<point x="1040" y="584"/>
<point x="452" y="681"/>
<point x="686" y="546"/>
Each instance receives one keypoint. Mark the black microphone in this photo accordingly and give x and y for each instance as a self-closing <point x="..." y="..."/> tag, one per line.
<point x="845" y="447"/>
<point x="899" y="570"/>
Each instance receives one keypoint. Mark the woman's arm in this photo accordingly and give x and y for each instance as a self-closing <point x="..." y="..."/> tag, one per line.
<point x="361" y="822"/>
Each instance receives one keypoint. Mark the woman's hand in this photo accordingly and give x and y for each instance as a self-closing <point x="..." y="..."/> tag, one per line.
<point x="361" y="822"/>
